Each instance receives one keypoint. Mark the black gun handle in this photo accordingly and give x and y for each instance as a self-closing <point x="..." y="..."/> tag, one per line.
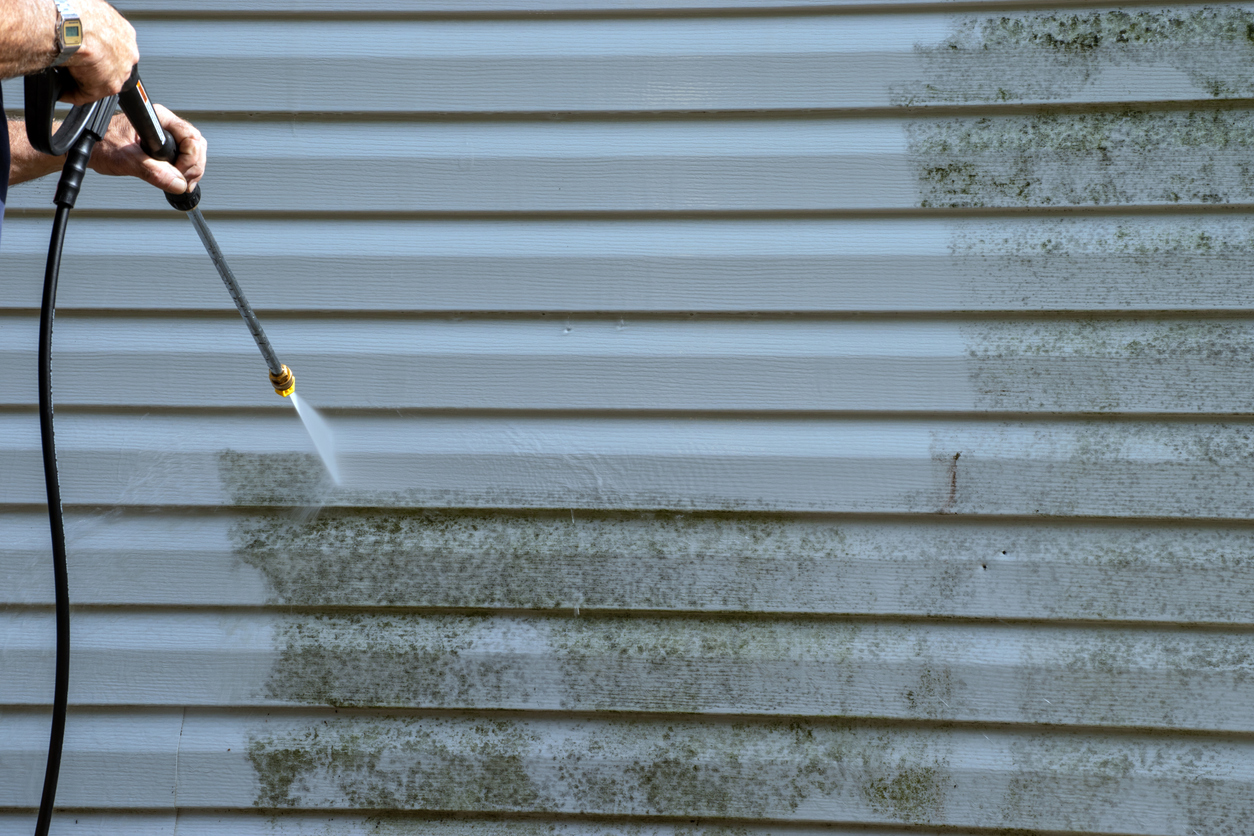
<point x="139" y="110"/>
<point x="43" y="89"/>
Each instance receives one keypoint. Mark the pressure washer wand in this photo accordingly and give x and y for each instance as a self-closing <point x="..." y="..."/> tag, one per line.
<point x="281" y="376"/>
<point x="158" y="144"/>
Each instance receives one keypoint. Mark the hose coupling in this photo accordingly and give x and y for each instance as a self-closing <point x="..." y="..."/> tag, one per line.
<point x="284" y="382"/>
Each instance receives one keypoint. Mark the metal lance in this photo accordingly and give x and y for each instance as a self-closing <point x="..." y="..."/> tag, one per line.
<point x="281" y="376"/>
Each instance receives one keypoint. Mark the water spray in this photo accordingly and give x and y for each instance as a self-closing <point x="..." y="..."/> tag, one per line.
<point x="80" y="130"/>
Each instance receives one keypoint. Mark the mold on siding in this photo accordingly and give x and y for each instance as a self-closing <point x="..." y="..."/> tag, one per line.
<point x="297" y="479"/>
<point x="580" y="664"/>
<point x="392" y="660"/>
<point x="402" y="824"/>
<point x="1099" y="365"/>
<point x="1131" y="677"/>
<point x="541" y="560"/>
<point x="1061" y="55"/>
<point x="913" y="794"/>
<point x="751" y="563"/>
<point x="1147" y="264"/>
<point x="1096" y="772"/>
<point x="749" y="770"/>
<point x="783" y="770"/>
<point x="1122" y="158"/>
<point x="368" y="763"/>
<point x="1053" y="469"/>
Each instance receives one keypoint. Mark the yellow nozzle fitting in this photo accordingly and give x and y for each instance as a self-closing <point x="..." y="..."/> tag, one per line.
<point x="284" y="382"/>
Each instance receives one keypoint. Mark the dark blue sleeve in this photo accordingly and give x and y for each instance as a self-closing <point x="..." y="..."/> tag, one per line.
<point x="4" y="159"/>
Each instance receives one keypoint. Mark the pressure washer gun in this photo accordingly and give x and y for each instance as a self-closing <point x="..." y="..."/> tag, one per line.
<point x="83" y="128"/>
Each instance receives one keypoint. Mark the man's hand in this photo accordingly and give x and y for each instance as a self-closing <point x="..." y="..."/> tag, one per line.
<point x="118" y="153"/>
<point x="100" y="66"/>
<point x="103" y="63"/>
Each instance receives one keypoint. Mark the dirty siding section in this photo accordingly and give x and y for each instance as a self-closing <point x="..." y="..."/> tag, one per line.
<point x="798" y="418"/>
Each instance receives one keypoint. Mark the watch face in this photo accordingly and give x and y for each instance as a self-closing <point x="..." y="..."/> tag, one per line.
<point x="73" y="33"/>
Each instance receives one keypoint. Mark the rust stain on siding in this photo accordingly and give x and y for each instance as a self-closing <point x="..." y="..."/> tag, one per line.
<point x="1200" y="470"/>
<point x="951" y="481"/>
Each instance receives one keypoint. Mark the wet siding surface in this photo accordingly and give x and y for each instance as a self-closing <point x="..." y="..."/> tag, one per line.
<point x="756" y="418"/>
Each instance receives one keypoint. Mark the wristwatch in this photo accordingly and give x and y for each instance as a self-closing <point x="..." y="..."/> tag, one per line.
<point x="69" y="32"/>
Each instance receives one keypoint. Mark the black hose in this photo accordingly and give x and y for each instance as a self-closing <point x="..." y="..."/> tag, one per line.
<point x="91" y="128"/>
<point x="60" y="570"/>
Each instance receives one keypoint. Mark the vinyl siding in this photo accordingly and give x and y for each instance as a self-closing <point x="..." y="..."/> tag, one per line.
<point x="756" y="418"/>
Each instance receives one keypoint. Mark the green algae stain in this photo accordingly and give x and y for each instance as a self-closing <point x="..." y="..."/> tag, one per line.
<point x="1098" y="263"/>
<point x="1095" y="467"/>
<point x="1099" y="775"/>
<point x="273" y="478"/>
<point x="534" y="560"/>
<point x="700" y="666"/>
<point x="390" y="763"/>
<point x="799" y="770"/>
<point x="460" y="765"/>
<point x="400" y="824"/>
<point x="738" y="770"/>
<point x="914" y="794"/>
<point x="1117" y="158"/>
<point x="282" y="767"/>
<point x="686" y="775"/>
<point x="601" y="664"/>
<point x="396" y="763"/>
<point x="1057" y="56"/>
<point x="1101" y="365"/>
<point x="382" y="660"/>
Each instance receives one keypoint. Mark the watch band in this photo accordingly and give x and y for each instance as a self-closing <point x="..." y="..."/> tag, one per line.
<point x="69" y="32"/>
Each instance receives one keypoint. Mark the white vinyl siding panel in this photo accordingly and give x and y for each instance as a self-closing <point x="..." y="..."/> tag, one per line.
<point x="757" y="418"/>
<point x="744" y="167"/>
<point x="537" y="63"/>
<point x="1017" y="264"/>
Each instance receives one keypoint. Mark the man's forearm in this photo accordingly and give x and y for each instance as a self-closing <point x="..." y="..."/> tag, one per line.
<point x="25" y="163"/>
<point x="27" y="36"/>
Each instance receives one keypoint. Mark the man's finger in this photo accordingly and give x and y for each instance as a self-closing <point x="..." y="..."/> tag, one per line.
<point x="191" y="160"/>
<point x="163" y="175"/>
<point x="82" y="96"/>
<point x="193" y="149"/>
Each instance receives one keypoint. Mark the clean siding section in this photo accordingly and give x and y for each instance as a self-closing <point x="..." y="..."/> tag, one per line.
<point x="756" y="418"/>
<point x="1019" y="264"/>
